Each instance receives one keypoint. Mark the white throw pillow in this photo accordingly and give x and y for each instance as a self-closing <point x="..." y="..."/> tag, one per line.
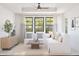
<point x="47" y="35"/>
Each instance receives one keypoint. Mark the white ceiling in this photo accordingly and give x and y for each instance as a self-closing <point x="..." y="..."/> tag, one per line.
<point x="30" y="7"/>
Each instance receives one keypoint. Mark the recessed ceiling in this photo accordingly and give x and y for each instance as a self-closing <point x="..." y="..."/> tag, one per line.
<point x="30" y="7"/>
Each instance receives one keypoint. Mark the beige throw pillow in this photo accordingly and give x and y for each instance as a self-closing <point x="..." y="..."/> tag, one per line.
<point x="60" y="39"/>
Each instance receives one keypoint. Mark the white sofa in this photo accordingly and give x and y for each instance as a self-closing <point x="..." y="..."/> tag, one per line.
<point x="34" y="36"/>
<point x="57" y="47"/>
<point x="28" y="37"/>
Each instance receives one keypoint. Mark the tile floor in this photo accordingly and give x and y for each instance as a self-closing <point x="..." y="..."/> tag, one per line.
<point x="25" y="50"/>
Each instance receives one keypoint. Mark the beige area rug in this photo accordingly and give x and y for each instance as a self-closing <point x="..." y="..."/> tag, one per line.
<point x="25" y="50"/>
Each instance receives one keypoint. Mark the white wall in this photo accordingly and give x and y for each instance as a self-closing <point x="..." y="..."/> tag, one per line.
<point x="4" y="15"/>
<point x="18" y="27"/>
<point x="15" y="19"/>
<point x="70" y="15"/>
<point x="74" y="34"/>
<point x="60" y="23"/>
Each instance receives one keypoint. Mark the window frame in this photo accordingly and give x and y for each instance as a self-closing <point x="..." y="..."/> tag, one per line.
<point x="29" y="25"/>
<point x="44" y="22"/>
<point x="37" y="25"/>
<point x="48" y="25"/>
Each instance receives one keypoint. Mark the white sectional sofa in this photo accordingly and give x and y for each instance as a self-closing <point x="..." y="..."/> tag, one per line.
<point x="34" y="36"/>
<point x="57" y="47"/>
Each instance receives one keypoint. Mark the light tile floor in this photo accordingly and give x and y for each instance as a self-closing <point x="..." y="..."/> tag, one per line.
<point x="25" y="50"/>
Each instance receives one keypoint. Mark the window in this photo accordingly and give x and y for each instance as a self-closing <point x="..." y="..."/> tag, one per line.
<point x="49" y="24"/>
<point x="36" y="24"/>
<point x="29" y="24"/>
<point x="39" y="24"/>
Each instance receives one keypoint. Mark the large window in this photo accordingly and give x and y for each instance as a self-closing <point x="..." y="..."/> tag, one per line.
<point x="39" y="24"/>
<point x="36" y="24"/>
<point x="49" y="24"/>
<point x="29" y="24"/>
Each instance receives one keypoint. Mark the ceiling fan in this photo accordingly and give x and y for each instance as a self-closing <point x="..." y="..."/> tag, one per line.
<point x="39" y="6"/>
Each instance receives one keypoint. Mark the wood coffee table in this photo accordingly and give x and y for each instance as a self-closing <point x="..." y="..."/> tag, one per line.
<point x="35" y="45"/>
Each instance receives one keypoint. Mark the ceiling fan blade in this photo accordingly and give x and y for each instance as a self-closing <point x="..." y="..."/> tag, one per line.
<point x="44" y="8"/>
<point x="39" y="7"/>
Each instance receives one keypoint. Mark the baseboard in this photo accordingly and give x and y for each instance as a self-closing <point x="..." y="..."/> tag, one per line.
<point x="10" y="47"/>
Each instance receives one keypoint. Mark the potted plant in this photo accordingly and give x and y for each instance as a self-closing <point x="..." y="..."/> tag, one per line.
<point x="8" y="26"/>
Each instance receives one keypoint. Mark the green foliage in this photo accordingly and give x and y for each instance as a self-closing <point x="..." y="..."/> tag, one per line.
<point x="8" y="26"/>
<point x="48" y="29"/>
<point x="29" y="23"/>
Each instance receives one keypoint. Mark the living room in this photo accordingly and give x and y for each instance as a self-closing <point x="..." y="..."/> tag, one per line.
<point x="39" y="29"/>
